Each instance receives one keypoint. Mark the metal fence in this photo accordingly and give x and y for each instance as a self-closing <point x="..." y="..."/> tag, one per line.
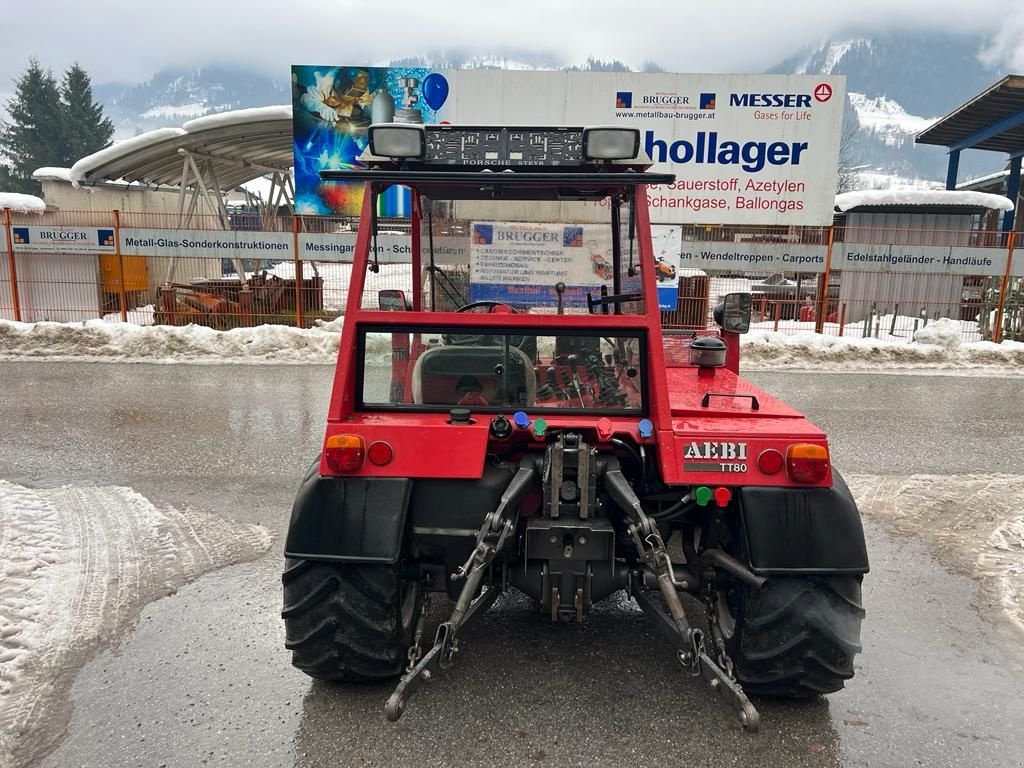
<point x="877" y="282"/>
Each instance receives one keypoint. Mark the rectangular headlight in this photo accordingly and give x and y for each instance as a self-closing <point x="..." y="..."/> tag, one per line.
<point x="611" y="143"/>
<point x="397" y="140"/>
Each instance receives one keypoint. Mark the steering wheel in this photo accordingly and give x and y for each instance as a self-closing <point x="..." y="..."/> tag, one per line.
<point x="490" y="305"/>
<point x="612" y="300"/>
<point x="478" y="340"/>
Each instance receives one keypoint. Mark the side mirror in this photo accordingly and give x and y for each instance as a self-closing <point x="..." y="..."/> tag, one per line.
<point x="392" y="301"/>
<point x="733" y="314"/>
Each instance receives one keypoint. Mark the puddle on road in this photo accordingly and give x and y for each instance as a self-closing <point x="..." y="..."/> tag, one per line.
<point x="974" y="523"/>
<point x="77" y="565"/>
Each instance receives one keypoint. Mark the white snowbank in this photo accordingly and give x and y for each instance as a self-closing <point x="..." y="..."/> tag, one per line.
<point x="20" y="203"/>
<point x="125" y="342"/>
<point x="76" y="566"/>
<point x="109" y="340"/>
<point x="770" y="350"/>
<point x="848" y="200"/>
<point x="50" y="173"/>
<point x="238" y="117"/>
<point x="81" y="169"/>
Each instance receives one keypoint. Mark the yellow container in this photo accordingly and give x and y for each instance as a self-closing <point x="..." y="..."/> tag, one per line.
<point x="136" y="275"/>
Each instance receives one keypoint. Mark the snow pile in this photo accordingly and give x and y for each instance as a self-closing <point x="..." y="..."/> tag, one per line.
<point x="771" y="350"/>
<point x="20" y="203"/>
<point x="76" y="566"/>
<point x="136" y="316"/>
<point x="102" y="340"/>
<point x="942" y="333"/>
<point x="50" y="173"/>
<point x="849" y="200"/>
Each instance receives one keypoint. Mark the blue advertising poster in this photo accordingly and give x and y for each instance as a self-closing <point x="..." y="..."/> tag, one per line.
<point x="332" y="107"/>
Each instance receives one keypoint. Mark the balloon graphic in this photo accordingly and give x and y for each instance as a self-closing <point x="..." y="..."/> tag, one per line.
<point x="435" y="90"/>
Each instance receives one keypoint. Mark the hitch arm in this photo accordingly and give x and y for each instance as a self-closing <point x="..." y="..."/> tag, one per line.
<point x="441" y="654"/>
<point x="716" y="677"/>
<point x="496" y="528"/>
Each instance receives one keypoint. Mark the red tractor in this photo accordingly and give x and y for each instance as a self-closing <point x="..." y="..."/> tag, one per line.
<point x="551" y="437"/>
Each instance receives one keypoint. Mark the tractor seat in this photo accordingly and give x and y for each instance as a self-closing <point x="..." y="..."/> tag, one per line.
<point x="440" y="375"/>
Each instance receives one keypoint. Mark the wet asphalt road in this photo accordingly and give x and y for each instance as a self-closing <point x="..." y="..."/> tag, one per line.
<point x="204" y="678"/>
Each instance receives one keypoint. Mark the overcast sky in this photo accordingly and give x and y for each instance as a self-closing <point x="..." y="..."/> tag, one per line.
<point x="129" y="40"/>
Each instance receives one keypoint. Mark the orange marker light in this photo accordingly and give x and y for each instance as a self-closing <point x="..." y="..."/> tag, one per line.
<point x="807" y="462"/>
<point x="344" y="453"/>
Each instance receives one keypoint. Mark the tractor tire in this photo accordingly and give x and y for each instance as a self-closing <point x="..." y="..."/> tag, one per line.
<point x="346" y="622"/>
<point x="794" y="638"/>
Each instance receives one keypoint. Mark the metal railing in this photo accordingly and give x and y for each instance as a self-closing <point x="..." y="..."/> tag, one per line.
<point x="295" y="270"/>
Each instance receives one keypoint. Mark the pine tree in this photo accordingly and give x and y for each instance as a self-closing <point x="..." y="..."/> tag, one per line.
<point x="34" y="137"/>
<point x="86" y="129"/>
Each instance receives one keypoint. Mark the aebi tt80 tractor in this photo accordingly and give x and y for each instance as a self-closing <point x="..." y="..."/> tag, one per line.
<point x="504" y="418"/>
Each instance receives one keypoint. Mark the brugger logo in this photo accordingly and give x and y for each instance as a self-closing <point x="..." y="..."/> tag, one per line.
<point x="707" y="101"/>
<point x="20" y="235"/>
<point x="722" y="451"/>
<point x="105" y="237"/>
<point x="624" y="100"/>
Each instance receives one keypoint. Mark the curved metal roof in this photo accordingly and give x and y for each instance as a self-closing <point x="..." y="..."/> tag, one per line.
<point x="239" y="146"/>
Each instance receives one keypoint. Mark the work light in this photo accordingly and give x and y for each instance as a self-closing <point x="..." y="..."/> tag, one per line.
<point x="612" y="143"/>
<point x="397" y="140"/>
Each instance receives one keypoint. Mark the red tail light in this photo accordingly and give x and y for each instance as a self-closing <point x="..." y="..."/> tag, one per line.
<point x="380" y="453"/>
<point x="770" y="461"/>
<point x="807" y="462"/>
<point x="344" y="453"/>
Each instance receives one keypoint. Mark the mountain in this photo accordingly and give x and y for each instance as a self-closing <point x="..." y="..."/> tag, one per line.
<point x="173" y="96"/>
<point x="897" y="85"/>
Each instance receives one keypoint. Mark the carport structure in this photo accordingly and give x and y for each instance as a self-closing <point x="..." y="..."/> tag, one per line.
<point x="993" y="121"/>
<point x="202" y="159"/>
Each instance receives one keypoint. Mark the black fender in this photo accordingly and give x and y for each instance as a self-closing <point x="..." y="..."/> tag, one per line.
<point x="348" y="519"/>
<point x="803" y="530"/>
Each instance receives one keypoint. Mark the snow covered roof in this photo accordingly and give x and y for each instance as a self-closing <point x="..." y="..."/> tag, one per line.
<point x="49" y="173"/>
<point x="921" y="197"/>
<point x="20" y="203"/>
<point x="242" y="145"/>
<point x="985" y="181"/>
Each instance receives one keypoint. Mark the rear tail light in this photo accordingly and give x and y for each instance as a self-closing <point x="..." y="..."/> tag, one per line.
<point x="344" y="453"/>
<point x="807" y="462"/>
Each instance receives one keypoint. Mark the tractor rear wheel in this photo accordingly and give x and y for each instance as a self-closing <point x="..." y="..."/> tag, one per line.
<point x="794" y="638"/>
<point x="346" y="622"/>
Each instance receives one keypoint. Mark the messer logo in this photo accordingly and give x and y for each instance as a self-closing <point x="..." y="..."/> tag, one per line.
<point x="822" y="92"/>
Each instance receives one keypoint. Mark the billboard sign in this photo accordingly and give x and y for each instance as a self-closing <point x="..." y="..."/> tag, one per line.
<point x="919" y="259"/>
<point x="746" y="149"/>
<point x="758" y="257"/>
<point x="63" y="239"/>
